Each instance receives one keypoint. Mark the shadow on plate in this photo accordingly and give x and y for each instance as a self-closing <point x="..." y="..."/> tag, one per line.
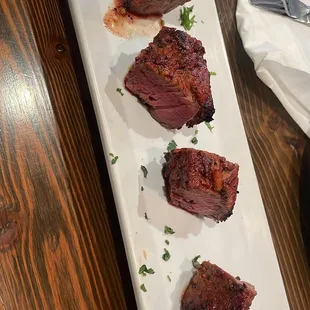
<point x="185" y="275"/>
<point x="172" y="18"/>
<point x="208" y="222"/>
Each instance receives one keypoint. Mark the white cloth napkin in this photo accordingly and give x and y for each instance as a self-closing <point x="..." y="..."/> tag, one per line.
<point x="280" y="50"/>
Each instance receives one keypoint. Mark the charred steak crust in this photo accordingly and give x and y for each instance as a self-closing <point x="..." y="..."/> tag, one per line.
<point x="171" y="77"/>
<point x="152" y="7"/>
<point x="213" y="288"/>
<point x="201" y="183"/>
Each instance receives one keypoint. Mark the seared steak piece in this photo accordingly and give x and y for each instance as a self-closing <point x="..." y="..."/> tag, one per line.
<point x="171" y="77"/>
<point x="201" y="183"/>
<point x="152" y="7"/>
<point x="213" y="288"/>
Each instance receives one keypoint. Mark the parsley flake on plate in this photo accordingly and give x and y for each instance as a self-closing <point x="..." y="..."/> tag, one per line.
<point x="166" y="256"/>
<point x="169" y="278"/>
<point x="143" y="288"/>
<point x="194" y="140"/>
<point x="142" y="188"/>
<point x="196" y="132"/>
<point x="167" y="242"/>
<point x="114" y="159"/>
<point x="144" y="270"/>
<point x="144" y="170"/>
<point x="145" y="216"/>
<point x="169" y="230"/>
<point x="171" y="146"/>
<point x="119" y="90"/>
<point x="212" y="73"/>
<point x="209" y="126"/>
<point x="186" y="20"/>
<point x="195" y="262"/>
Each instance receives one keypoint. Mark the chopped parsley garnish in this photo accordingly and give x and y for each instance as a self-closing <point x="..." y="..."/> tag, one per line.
<point x="166" y="256"/>
<point x="145" y="216"/>
<point x="144" y="270"/>
<point x="143" y="288"/>
<point x="194" y="140"/>
<point x="209" y="126"/>
<point x="119" y="90"/>
<point x="171" y="146"/>
<point x="169" y="278"/>
<point x="144" y="170"/>
<point x="167" y="242"/>
<point x="196" y="132"/>
<point x="238" y="278"/>
<point x="186" y="21"/>
<point x="195" y="262"/>
<point x="114" y="159"/>
<point x="142" y="188"/>
<point x="169" y="230"/>
<point x="212" y="73"/>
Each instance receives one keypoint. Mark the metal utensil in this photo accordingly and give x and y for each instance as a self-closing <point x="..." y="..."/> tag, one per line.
<point x="292" y="8"/>
<point x="296" y="8"/>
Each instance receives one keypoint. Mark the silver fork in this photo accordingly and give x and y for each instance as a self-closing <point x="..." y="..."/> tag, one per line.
<point x="296" y="8"/>
<point x="293" y="8"/>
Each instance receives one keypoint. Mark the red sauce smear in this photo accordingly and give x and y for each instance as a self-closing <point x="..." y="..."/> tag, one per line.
<point x="127" y="25"/>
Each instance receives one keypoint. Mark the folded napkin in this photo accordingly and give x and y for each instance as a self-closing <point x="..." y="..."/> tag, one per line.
<point x="280" y="50"/>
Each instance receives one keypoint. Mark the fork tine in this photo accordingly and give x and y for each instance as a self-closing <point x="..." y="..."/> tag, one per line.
<point x="292" y="8"/>
<point x="271" y="2"/>
<point x="276" y="7"/>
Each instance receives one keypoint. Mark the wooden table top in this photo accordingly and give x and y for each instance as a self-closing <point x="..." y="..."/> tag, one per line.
<point x="60" y="243"/>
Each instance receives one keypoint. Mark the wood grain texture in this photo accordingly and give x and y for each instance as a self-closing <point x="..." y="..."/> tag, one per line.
<point x="56" y="248"/>
<point x="277" y="145"/>
<point x="304" y="198"/>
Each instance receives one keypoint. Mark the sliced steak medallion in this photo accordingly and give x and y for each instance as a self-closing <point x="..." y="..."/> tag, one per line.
<point x="171" y="77"/>
<point x="152" y="7"/>
<point x="201" y="183"/>
<point x="213" y="288"/>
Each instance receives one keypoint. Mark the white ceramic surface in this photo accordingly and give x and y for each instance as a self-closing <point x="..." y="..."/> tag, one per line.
<point x="242" y="246"/>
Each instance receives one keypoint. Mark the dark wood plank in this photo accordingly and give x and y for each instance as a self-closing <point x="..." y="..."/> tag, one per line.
<point x="304" y="199"/>
<point x="56" y="246"/>
<point x="277" y="146"/>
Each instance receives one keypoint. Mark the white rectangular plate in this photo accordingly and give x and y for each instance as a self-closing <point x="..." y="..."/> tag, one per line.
<point x="242" y="246"/>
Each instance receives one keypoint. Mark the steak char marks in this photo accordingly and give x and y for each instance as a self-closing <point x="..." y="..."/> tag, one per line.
<point x="201" y="183"/>
<point x="213" y="288"/>
<point x="152" y="7"/>
<point x="171" y="77"/>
